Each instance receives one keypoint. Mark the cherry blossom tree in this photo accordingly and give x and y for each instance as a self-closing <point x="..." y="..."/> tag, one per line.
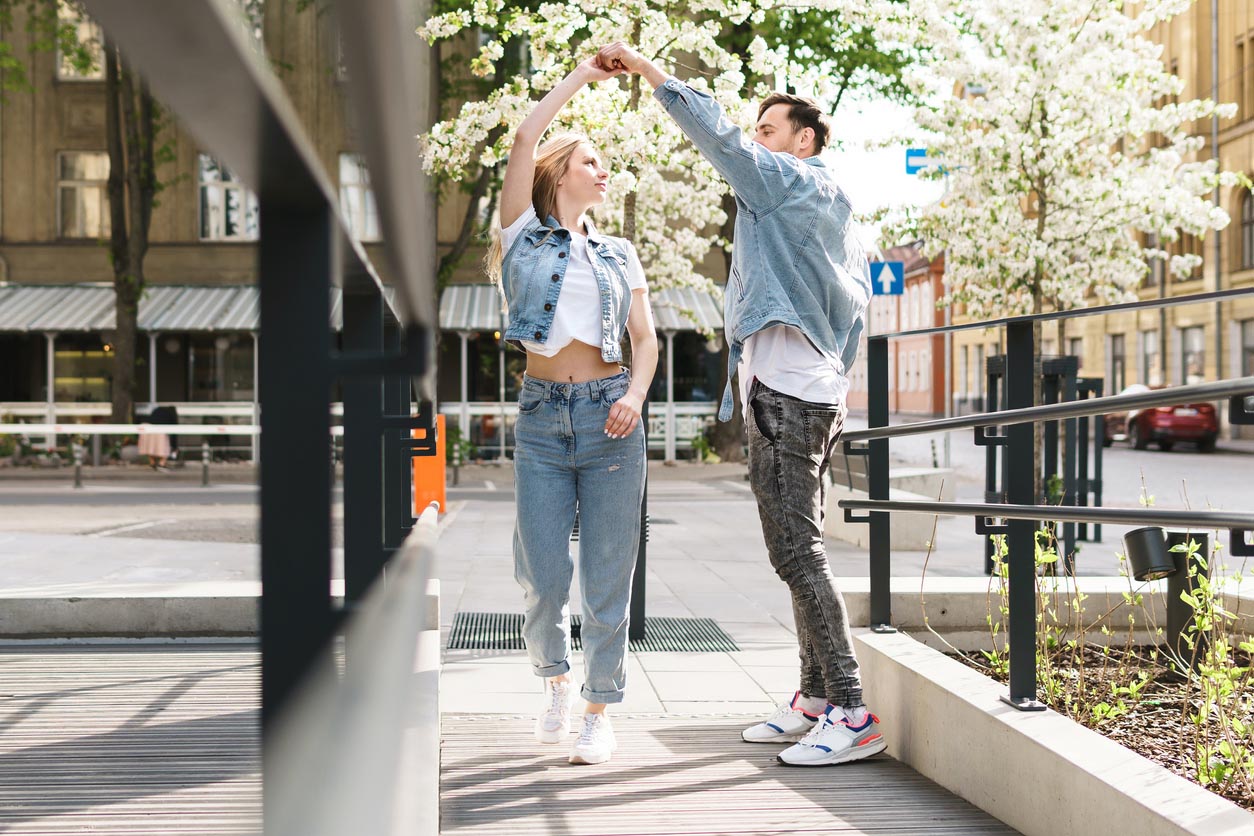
<point x="664" y="195"/>
<point x="1061" y="137"/>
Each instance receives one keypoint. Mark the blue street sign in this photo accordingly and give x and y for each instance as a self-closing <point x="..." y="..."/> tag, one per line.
<point x="890" y="282"/>
<point x="916" y="160"/>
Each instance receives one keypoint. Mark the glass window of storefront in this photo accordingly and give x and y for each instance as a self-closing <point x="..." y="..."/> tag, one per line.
<point x="220" y="367"/>
<point x="83" y="371"/>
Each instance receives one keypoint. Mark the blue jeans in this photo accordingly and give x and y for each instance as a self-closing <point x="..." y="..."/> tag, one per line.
<point x="563" y="460"/>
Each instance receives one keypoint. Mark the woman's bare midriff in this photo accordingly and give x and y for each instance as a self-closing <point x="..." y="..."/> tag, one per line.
<point x="578" y="362"/>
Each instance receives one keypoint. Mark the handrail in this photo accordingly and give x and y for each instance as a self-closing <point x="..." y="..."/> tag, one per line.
<point x="1235" y="387"/>
<point x="1232" y="520"/>
<point x="1098" y="310"/>
<point x="337" y="749"/>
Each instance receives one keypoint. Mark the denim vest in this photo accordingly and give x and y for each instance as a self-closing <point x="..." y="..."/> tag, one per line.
<point x="795" y="260"/>
<point x="531" y="279"/>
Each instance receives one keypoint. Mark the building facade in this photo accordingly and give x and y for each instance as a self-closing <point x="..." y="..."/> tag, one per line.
<point x="916" y="365"/>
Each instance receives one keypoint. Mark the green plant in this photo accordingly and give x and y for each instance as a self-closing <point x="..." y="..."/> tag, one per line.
<point x="460" y="449"/>
<point x="704" y="449"/>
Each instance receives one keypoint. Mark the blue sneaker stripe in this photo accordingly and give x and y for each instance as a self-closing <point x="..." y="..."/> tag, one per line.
<point x="821" y="746"/>
<point x="777" y="728"/>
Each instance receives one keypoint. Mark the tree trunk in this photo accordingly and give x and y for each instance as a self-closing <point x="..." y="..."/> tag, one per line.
<point x="728" y="439"/>
<point x="130" y="128"/>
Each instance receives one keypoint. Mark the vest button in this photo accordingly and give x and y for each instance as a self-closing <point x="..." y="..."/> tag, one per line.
<point x="539" y="335"/>
<point x="556" y="277"/>
<point x="562" y="254"/>
<point x="547" y="306"/>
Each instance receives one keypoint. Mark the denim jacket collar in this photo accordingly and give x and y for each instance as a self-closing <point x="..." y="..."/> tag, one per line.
<point x="552" y="227"/>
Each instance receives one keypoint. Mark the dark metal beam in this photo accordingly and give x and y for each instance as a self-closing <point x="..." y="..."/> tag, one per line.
<point x="1072" y="409"/>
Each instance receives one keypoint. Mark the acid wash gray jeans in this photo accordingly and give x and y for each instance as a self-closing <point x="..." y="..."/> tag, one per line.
<point x="790" y="445"/>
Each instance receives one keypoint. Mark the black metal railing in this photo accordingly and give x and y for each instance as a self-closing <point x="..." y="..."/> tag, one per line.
<point x="358" y="753"/>
<point x="1021" y="513"/>
<point x="198" y="60"/>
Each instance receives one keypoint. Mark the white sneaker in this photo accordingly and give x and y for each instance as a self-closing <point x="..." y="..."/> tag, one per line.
<point x="787" y="725"/>
<point x="596" y="742"/>
<point x="553" y="724"/>
<point x="836" y="740"/>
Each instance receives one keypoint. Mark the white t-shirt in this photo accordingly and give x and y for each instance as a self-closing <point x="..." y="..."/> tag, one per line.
<point x="577" y="315"/>
<point x="785" y="360"/>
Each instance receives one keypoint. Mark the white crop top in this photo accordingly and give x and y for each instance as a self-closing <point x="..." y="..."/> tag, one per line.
<point x="578" y="312"/>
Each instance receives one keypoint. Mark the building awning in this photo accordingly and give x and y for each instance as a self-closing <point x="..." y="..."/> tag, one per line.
<point x="477" y="307"/>
<point x="164" y="308"/>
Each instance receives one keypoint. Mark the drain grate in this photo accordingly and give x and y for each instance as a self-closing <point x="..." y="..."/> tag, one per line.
<point x="503" y="631"/>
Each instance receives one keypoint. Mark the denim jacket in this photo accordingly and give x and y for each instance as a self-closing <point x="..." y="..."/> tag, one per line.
<point x="531" y="279"/>
<point x="795" y="260"/>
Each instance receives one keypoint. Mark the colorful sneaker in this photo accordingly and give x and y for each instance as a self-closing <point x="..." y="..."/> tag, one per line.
<point x="834" y="740"/>
<point x="553" y="724"/>
<point x="787" y="725"/>
<point x="596" y="742"/>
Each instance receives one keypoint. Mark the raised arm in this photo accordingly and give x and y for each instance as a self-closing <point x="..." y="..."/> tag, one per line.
<point x="760" y="177"/>
<point x="520" y="171"/>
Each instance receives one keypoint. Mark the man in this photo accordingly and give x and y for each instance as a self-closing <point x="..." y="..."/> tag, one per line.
<point x="794" y="307"/>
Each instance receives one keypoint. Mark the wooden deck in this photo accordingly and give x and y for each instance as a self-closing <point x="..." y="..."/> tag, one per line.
<point x="164" y="739"/>
<point x="154" y="739"/>
<point x="679" y="775"/>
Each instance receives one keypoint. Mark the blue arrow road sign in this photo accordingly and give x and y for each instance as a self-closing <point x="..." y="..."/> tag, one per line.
<point x="916" y="160"/>
<point x="890" y="282"/>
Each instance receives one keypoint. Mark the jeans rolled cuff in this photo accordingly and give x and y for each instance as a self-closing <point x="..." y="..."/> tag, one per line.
<point x="553" y="670"/>
<point x="600" y="697"/>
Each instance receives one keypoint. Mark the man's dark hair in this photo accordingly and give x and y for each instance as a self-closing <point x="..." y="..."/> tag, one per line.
<point x="802" y="113"/>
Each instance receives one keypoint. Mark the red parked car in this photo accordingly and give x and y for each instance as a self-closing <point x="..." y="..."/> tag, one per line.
<point x="1163" y="425"/>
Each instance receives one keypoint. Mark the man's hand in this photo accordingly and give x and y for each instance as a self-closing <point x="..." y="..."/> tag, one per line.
<point x="621" y="57"/>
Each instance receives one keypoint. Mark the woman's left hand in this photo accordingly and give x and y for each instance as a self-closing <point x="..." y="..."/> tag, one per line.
<point x="624" y="415"/>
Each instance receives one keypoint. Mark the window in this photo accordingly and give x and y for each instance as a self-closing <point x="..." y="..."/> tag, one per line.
<point x="83" y="369"/>
<point x="925" y="305"/>
<point x="912" y="381"/>
<point x="1193" y="354"/>
<point x="228" y="210"/>
<point x="82" y="199"/>
<point x="963" y="372"/>
<point x="1075" y="348"/>
<point x="356" y="198"/>
<point x="979" y="373"/>
<point x="903" y="374"/>
<point x="1242" y="113"/>
<point x="1118" y="364"/>
<point x="1247" y="348"/>
<point x="220" y="367"/>
<point x="86" y="63"/>
<point x="1247" y="230"/>
<point x="1151" y="366"/>
<point x="925" y="370"/>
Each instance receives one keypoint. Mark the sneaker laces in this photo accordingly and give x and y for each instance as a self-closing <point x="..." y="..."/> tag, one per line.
<point x="558" y="704"/>
<point x="813" y="734"/>
<point x="592" y="724"/>
<point x="783" y="711"/>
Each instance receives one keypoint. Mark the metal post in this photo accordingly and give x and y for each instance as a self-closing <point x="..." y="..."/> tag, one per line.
<point x="78" y="466"/>
<point x="1069" y="441"/>
<point x="463" y="424"/>
<point x="50" y="441"/>
<point x="1214" y="153"/>
<point x="298" y="261"/>
<point x="670" y="398"/>
<point x="204" y="464"/>
<point x="877" y="485"/>
<point x="363" y="449"/>
<point x="255" y="438"/>
<point x="1021" y="490"/>
<point x="1180" y="614"/>
<point x="991" y="465"/>
<point x="636" y="619"/>
<point x="152" y="369"/>
<point x="397" y="469"/>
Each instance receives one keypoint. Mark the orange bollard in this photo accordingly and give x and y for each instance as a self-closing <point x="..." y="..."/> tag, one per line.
<point x="429" y="472"/>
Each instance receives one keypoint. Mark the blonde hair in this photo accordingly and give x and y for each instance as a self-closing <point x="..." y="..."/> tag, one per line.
<point x="552" y="159"/>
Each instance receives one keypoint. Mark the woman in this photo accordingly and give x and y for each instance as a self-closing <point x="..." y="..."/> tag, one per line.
<point x="579" y="444"/>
